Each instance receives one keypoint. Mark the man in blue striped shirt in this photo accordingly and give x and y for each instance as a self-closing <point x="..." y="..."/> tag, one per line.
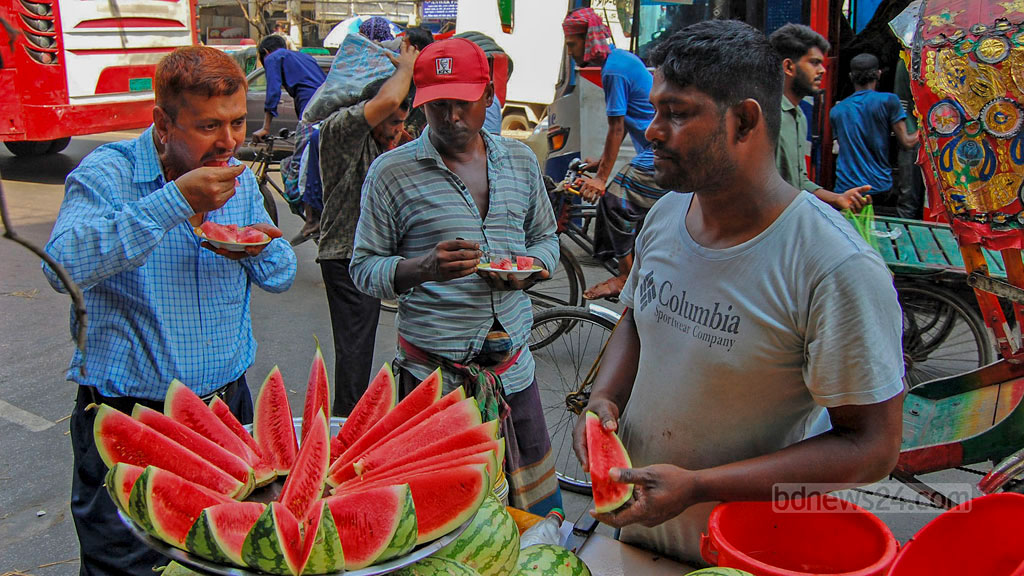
<point x="161" y="305"/>
<point x="431" y="209"/>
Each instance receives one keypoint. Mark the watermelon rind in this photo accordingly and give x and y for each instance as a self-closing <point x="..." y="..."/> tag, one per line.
<point x="374" y="526"/>
<point x="404" y="539"/>
<point x="120" y="482"/>
<point x="270" y="545"/>
<point x="175" y="569"/>
<point x="218" y="532"/>
<point x="604" y="452"/>
<point x="550" y="560"/>
<point x="490" y="544"/>
<point x="433" y="566"/>
<point x="167" y="505"/>
<point x="324" y="549"/>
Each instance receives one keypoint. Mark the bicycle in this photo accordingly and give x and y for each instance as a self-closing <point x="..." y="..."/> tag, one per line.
<point x="264" y="161"/>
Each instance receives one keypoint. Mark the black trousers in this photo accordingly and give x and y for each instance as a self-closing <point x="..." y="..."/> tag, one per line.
<point x="354" y="317"/>
<point x="107" y="547"/>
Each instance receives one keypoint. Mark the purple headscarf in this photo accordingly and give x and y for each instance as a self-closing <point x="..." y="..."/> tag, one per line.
<point x="377" y="29"/>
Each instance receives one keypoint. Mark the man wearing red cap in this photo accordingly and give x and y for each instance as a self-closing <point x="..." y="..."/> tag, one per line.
<point x="627" y="87"/>
<point x="432" y="210"/>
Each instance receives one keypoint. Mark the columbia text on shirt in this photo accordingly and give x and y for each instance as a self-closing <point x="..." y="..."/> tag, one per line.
<point x="160" y="306"/>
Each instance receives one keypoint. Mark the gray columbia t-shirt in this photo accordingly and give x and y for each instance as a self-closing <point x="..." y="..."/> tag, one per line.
<point x="742" y="348"/>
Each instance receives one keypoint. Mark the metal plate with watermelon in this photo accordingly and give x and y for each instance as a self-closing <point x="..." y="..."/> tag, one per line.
<point x="193" y="561"/>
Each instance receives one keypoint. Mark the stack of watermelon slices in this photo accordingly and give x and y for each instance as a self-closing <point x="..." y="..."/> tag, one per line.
<point x="401" y="474"/>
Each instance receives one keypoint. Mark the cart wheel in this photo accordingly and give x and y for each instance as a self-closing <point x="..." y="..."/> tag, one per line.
<point x="942" y="335"/>
<point x="563" y="288"/>
<point x="566" y="342"/>
<point x="268" y="203"/>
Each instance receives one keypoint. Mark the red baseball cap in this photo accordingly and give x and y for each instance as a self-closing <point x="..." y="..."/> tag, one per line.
<point x="453" y="69"/>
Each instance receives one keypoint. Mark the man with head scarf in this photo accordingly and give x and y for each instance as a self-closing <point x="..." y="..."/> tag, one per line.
<point x="377" y="29"/>
<point x="627" y="87"/>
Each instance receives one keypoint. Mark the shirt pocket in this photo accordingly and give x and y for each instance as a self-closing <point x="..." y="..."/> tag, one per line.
<point x="514" y="227"/>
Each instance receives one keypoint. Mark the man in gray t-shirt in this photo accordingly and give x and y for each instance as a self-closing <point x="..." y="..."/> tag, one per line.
<point x="753" y="308"/>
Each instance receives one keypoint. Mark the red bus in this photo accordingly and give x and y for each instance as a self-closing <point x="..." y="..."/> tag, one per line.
<point x="78" y="67"/>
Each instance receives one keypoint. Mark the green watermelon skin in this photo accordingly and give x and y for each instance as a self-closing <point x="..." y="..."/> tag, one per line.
<point x="175" y="569"/>
<point x="120" y="481"/>
<point x="490" y="544"/>
<point x="323" y="551"/>
<point x="549" y="560"/>
<point x="274" y="545"/>
<point x="434" y="566"/>
<point x="374" y="526"/>
<point x="404" y="539"/>
<point x="219" y="532"/>
<point x="167" y="506"/>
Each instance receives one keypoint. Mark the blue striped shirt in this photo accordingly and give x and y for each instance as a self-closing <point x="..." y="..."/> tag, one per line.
<point x="410" y="202"/>
<point x="159" y="305"/>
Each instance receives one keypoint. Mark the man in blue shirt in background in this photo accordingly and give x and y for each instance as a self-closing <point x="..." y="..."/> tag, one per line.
<point x="862" y="123"/>
<point x="161" y="304"/>
<point x="627" y="88"/>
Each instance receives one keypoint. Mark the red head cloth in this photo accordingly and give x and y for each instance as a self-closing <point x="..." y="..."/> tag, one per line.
<point x="453" y="69"/>
<point x="587" y="22"/>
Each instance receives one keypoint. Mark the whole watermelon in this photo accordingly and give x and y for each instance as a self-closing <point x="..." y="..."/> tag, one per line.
<point x="434" y="566"/>
<point x="490" y="544"/>
<point x="549" y="560"/>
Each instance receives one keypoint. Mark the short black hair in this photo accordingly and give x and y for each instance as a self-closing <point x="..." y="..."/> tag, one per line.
<point x="269" y="44"/>
<point x="864" y="69"/>
<point x="371" y="90"/>
<point x="419" y="36"/>
<point x="729" y="61"/>
<point x="792" y="41"/>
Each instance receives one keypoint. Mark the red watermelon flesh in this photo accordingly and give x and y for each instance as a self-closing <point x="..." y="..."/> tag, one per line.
<point x="444" y="499"/>
<point x="336" y="448"/>
<point x="173" y="504"/>
<point x="272" y="425"/>
<point x="423" y="397"/>
<point x="502" y="264"/>
<point x="274" y="544"/>
<point x="418" y="448"/>
<point x="391" y="476"/>
<point x="207" y="449"/>
<point x="318" y="392"/>
<point x="604" y="452"/>
<point x="456" y="418"/>
<point x="228" y="524"/>
<point x="367" y="522"/>
<point x="219" y="232"/>
<point x="120" y="480"/>
<point x="249" y="235"/>
<point x="265" y="473"/>
<point x="524" y="263"/>
<point x="184" y="407"/>
<point x="305" y="483"/>
<point x="378" y="400"/>
<point x="121" y="438"/>
<point x="491" y="452"/>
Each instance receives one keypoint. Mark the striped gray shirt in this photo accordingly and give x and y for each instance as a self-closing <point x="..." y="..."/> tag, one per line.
<point x="410" y="202"/>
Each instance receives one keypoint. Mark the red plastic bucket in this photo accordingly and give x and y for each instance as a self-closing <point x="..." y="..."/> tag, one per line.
<point x="817" y="535"/>
<point x="980" y="536"/>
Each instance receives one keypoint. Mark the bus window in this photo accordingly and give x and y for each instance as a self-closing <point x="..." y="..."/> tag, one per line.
<point x="659" y="20"/>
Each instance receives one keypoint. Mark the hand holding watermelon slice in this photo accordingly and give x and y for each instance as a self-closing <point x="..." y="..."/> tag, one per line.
<point x="236" y="242"/>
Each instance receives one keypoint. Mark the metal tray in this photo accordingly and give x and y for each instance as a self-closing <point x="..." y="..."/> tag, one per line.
<point x="207" y="566"/>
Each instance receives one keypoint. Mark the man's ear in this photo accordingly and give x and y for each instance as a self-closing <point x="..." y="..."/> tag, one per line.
<point x="788" y="67"/>
<point x="748" y="115"/>
<point x="489" y="94"/>
<point x="161" y="123"/>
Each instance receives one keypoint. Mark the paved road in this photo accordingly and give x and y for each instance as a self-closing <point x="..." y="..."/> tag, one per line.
<point x="36" y="532"/>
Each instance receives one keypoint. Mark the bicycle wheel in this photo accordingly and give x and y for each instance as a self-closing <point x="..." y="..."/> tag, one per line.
<point x="564" y="288"/>
<point x="268" y="203"/>
<point x="942" y="335"/>
<point x="564" y="358"/>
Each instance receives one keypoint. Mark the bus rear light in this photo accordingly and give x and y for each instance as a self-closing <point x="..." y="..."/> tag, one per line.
<point x="36" y="24"/>
<point x="48" y="58"/>
<point x="38" y="8"/>
<point x="42" y="42"/>
<point x="557" y="138"/>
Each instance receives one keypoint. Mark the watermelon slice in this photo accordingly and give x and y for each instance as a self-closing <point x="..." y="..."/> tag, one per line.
<point x="219" y="532"/>
<point x="322" y="550"/>
<point x="397" y="452"/>
<point x="318" y="392"/>
<point x="378" y="400"/>
<point x="456" y="418"/>
<point x="444" y="499"/>
<point x="183" y="406"/>
<point x="247" y="235"/>
<point x="604" y="452"/>
<point x="120" y="480"/>
<point x="502" y="264"/>
<point x="272" y="425"/>
<point x="121" y="438"/>
<point x="210" y="451"/>
<point x="305" y="484"/>
<point x="274" y="545"/>
<point x="167" y="505"/>
<point x="483" y="453"/>
<point x="524" y="263"/>
<point x="374" y="526"/>
<point x="219" y="232"/>
<point x="265" y="473"/>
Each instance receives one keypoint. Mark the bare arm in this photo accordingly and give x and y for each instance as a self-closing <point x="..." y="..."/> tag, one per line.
<point x="394" y="90"/>
<point x="907" y="141"/>
<point x="593" y="188"/>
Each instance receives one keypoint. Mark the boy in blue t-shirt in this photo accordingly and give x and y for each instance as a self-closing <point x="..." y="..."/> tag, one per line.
<point x="625" y="201"/>
<point x="862" y="124"/>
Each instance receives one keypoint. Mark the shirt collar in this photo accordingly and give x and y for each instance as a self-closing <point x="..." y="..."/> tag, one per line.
<point x="786" y="104"/>
<point x="425" y="149"/>
<point x="147" y="161"/>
